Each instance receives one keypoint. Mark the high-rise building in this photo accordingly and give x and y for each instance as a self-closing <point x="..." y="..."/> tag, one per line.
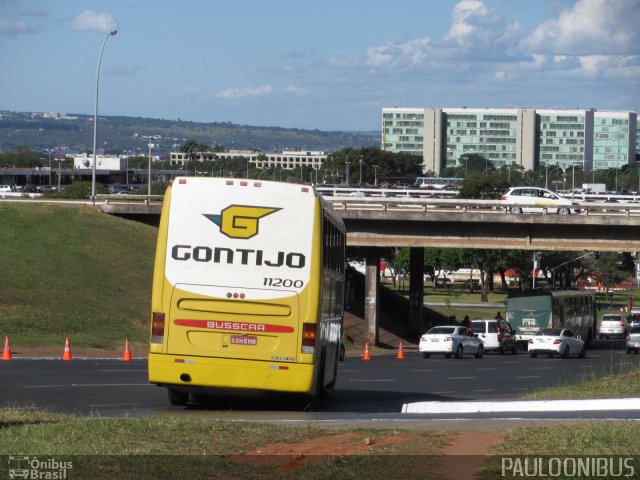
<point x="527" y="137"/>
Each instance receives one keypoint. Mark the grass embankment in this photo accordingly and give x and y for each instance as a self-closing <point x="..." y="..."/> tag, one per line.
<point x="70" y="271"/>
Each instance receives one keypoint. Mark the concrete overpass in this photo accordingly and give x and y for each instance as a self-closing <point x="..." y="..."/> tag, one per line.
<point x="417" y="223"/>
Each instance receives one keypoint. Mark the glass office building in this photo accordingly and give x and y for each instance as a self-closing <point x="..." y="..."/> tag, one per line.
<point x="526" y="137"/>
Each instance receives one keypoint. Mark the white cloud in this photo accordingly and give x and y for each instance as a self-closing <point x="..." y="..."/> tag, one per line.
<point x="92" y="21"/>
<point x="590" y="27"/>
<point x="238" y="92"/>
<point x="476" y="27"/>
<point x="233" y="93"/>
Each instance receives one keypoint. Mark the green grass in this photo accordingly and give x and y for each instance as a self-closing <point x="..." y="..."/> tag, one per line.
<point x="70" y="271"/>
<point x="201" y="447"/>
<point x="622" y="384"/>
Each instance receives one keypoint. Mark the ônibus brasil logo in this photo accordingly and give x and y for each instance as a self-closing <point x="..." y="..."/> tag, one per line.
<point x="240" y="221"/>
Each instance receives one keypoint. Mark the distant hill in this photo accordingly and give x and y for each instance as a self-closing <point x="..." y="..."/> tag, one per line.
<point x="129" y="134"/>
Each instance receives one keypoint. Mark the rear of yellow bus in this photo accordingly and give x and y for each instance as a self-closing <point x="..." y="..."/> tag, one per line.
<point x="235" y="296"/>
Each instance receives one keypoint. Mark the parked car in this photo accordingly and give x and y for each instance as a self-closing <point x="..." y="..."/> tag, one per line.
<point x="535" y="199"/>
<point x="6" y="188"/>
<point x="559" y="341"/>
<point x="633" y="320"/>
<point x="450" y="339"/>
<point x="496" y="335"/>
<point x="612" y="325"/>
<point x="633" y="340"/>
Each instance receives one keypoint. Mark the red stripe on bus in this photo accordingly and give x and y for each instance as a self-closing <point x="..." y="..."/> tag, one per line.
<point x="233" y="326"/>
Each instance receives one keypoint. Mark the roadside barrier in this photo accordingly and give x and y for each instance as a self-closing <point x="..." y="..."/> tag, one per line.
<point x="367" y="356"/>
<point x="127" y="353"/>
<point x="67" y="350"/>
<point x="6" y="353"/>
<point x="400" y="352"/>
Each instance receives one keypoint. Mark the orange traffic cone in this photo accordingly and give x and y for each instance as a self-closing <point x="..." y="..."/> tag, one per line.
<point x="366" y="352"/>
<point x="6" y="353"/>
<point x="127" y="353"/>
<point x="67" y="351"/>
<point x="400" y="352"/>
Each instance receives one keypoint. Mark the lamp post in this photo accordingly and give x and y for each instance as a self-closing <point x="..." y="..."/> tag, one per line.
<point x="49" y="150"/>
<point x="347" y="163"/>
<point x="360" y="183"/>
<point x="149" y="171"/>
<point x="375" y="175"/>
<point x="95" y="119"/>
<point x="546" y="175"/>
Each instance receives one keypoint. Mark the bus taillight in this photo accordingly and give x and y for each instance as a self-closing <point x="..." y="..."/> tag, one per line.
<point x="309" y="337"/>
<point x="157" y="328"/>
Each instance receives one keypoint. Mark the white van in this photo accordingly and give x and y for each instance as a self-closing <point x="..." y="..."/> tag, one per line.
<point x="496" y="335"/>
<point x="6" y="188"/>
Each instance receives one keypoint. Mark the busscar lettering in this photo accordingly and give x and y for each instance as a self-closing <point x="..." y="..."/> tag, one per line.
<point x="238" y="256"/>
<point x="245" y="327"/>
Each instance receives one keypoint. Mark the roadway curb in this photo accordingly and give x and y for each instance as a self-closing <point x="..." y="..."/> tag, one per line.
<point x="600" y="404"/>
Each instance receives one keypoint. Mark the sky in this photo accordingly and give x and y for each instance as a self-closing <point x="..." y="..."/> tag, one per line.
<point x="328" y="65"/>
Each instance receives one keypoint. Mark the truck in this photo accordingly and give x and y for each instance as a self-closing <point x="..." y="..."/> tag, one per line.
<point x="594" y="188"/>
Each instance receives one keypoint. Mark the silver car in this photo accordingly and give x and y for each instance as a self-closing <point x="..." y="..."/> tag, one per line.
<point x="633" y="340"/>
<point x="612" y="325"/>
<point x="450" y="340"/>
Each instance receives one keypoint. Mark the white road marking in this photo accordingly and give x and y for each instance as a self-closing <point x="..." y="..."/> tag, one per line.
<point x="606" y="404"/>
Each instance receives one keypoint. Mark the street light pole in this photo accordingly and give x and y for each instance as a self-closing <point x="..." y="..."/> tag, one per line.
<point x="375" y="175"/>
<point x="95" y="119"/>
<point x="360" y="170"/>
<point x="347" y="163"/>
<point x="149" y="172"/>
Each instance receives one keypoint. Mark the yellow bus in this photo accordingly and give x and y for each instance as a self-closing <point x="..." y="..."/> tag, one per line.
<point x="248" y="290"/>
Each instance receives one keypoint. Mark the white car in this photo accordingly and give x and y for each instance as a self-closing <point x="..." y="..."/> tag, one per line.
<point x="559" y="341"/>
<point x="535" y="199"/>
<point x="633" y="340"/>
<point x="612" y="325"/>
<point x="450" y="340"/>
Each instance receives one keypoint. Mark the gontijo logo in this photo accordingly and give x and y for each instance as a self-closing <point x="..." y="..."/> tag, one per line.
<point x="240" y="221"/>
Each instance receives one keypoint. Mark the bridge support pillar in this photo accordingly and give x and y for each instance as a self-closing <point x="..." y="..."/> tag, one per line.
<point x="416" y="288"/>
<point x="371" y="288"/>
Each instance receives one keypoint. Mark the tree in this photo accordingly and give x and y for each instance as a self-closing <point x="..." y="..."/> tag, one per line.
<point x="377" y="165"/>
<point x="19" y="157"/>
<point x="488" y="187"/>
<point x="609" y="271"/>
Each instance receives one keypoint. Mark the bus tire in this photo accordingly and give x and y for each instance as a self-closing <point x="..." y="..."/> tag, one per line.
<point x="178" y="399"/>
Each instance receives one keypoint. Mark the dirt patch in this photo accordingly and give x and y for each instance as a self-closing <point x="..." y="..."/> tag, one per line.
<point x="289" y="456"/>
<point x="474" y="445"/>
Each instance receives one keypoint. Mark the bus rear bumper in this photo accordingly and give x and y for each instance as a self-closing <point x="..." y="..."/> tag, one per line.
<point x="204" y="372"/>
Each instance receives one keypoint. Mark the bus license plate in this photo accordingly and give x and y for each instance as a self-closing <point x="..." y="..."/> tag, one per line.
<point x="244" y="340"/>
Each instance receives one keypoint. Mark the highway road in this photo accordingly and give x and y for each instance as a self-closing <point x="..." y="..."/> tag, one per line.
<point x="375" y="389"/>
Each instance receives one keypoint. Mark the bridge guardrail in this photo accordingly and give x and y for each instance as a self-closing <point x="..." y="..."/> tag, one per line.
<point x="406" y="203"/>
